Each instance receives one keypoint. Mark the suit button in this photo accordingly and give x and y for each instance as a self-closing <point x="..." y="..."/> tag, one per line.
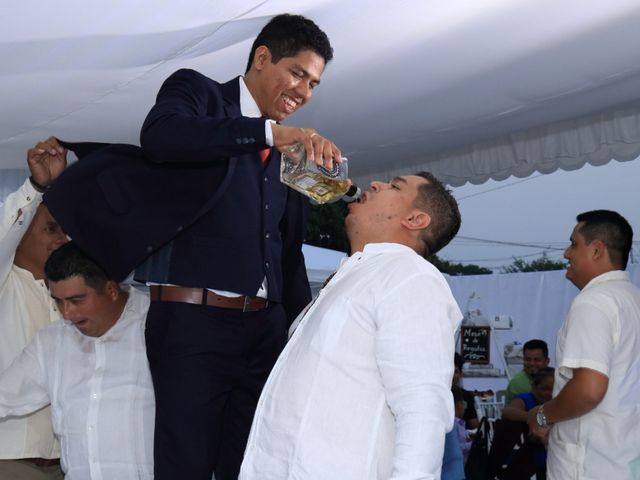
<point x="266" y="206"/>
<point x="267" y="264"/>
<point x="266" y="179"/>
<point x="252" y="140"/>
<point x="266" y="235"/>
<point x="245" y="140"/>
<point x="238" y="141"/>
<point x="149" y="248"/>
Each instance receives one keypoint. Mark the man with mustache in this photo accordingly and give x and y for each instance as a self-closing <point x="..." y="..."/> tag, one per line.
<point x="592" y="419"/>
<point x="28" y="235"/>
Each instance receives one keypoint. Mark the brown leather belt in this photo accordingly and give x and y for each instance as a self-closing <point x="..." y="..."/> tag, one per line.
<point x="202" y="296"/>
<point x="43" y="462"/>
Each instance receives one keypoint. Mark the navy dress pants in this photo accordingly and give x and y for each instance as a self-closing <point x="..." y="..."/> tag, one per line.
<point x="208" y="366"/>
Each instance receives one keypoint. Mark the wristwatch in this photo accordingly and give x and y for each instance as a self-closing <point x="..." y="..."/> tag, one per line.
<point x="540" y="417"/>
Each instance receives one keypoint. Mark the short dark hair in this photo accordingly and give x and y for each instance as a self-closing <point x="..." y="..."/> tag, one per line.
<point x="436" y="200"/>
<point x="287" y="35"/>
<point x="537" y="344"/>
<point x="458" y="360"/>
<point x="458" y="393"/>
<point x="69" y="261"/>
<point x="612" y="229"/>
<point x="543" y="373"/>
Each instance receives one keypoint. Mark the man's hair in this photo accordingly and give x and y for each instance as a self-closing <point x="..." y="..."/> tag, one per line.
<point x="287" y="35"/>
<point x="436" y="200"/>
<point x="543" y="373"/>
<point x="458" y="360"/>
<point x="612" y="229"/>
<point x="69" y="261"/>
<point x="537" y="344"/>
<point x="458" y="394"/>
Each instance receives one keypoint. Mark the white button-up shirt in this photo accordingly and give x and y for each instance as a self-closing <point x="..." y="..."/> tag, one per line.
<point x="25" y="307"/>
<point x="100" y="392"/>
<point x="602" y="333"/>
<point x="362" y="390"/>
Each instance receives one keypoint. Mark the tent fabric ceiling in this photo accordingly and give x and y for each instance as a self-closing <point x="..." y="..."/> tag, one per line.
<point x="470" y="89"/>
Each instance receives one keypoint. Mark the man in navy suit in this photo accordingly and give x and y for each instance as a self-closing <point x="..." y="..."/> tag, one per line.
<point x="226" y="287"/>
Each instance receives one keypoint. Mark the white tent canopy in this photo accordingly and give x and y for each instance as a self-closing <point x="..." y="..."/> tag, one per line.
<point x="469" y="89"/>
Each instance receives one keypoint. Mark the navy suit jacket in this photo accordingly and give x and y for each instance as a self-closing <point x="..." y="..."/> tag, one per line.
<point x="123" y="203"/>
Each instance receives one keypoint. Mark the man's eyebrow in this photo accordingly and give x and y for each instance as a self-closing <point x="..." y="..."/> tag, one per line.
<point x="399" y="179"/>
<point x="71" y="297"/>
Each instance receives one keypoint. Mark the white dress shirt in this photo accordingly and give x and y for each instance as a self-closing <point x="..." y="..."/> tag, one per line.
<point x="25" y="307"/>
<point x="602" y="333"/>
<point x="100" y="392"/>
<point x="362" y="391"/>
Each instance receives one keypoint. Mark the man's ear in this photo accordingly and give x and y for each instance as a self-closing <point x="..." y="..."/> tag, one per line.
<point x="598" y="250"/>
<point x="113" y="289"/>
<point x="417" y="220"/>
<point x="261" y="56"/>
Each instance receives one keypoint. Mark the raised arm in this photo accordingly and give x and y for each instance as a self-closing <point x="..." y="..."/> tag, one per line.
<point x="192" y="123"/>
<point x="46" y="160"/>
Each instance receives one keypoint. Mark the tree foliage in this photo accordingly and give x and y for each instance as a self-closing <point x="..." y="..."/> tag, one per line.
<point x="326" y="227"/>
<point x="457" y="268"/>
<point x="541" y="264"/>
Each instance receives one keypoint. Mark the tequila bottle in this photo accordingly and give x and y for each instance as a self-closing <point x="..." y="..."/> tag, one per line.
<point x="321" y="184"/>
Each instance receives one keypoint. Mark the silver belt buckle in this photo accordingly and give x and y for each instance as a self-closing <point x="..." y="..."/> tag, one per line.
<point x="247" y="308"/>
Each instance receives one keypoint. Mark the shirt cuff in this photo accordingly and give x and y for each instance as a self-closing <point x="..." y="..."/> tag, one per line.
<point x="268" y="134"/>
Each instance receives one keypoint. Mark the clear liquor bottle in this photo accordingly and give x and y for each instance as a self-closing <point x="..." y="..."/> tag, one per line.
<point x="315" y="181"/>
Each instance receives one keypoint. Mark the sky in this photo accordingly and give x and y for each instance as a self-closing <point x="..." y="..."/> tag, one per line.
<point x="539" y="211"/>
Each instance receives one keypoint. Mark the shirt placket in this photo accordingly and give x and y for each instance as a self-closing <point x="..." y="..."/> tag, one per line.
<point x="95" y="396"/>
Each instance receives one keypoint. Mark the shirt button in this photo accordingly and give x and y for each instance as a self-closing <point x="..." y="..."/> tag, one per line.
<point x="28" y="199"/>
<point x="94" y="395"/>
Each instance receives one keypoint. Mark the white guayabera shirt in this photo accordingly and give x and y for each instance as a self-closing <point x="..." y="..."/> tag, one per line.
<point x="602" y="333"/>
<point x="25" y="307"/>
<point x="363" y="388"/>
<point x="100" y="391"/>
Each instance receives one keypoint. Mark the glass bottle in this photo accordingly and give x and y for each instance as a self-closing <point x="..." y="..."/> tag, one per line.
<point x="315" y="181"/>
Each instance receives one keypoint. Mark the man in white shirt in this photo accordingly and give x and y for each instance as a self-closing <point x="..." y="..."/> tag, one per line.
<point x="92" y="369"/>
<point x="363" y="388"/>
<point x="28" y="234"/>
<point x="595" y="409"/>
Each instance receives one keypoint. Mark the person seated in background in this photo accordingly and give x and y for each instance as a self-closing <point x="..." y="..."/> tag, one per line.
<point x="531" y="456"/>
<point x="535" y="355"/>
<point x="470" y="414"/>
<point x="516" y="410"/>
<point x="459" y="425"/>
<point x="28" y="234"/>
<point x="92" y="368"/>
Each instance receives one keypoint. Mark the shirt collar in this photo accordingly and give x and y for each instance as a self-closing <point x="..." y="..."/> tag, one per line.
<point x="248" y="106"/>
<point x="607" y="277"/>
<point x="374" y="248"/>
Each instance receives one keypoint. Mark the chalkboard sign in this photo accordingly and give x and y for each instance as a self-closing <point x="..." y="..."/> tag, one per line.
<point x="476" y="344"/>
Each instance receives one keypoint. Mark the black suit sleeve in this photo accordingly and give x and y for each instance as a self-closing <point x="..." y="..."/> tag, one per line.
<point x="192" y="121"/>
